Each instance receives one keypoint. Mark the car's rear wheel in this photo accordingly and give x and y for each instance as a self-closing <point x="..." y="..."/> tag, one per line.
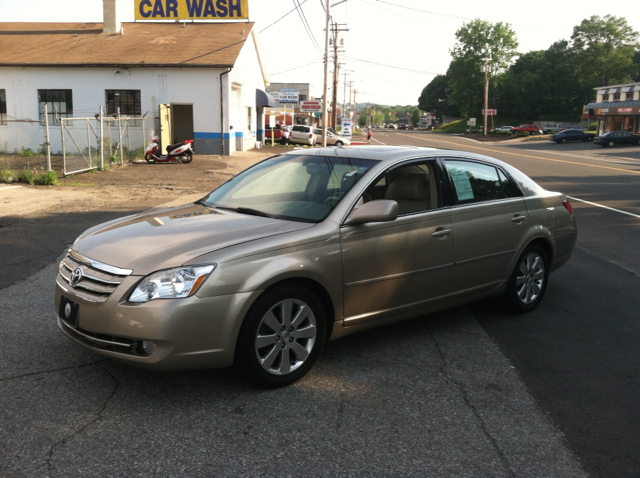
<point x="339" y="143"/>
<point x="528" y="280"/>
<point x="611" y="144"/>
<point x="281" y="336"/>
<point x="563" y="140"/>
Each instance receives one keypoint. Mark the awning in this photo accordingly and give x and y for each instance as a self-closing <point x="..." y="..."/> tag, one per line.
<point x="264" y="99"/>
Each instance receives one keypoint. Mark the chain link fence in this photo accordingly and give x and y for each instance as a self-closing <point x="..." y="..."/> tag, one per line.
<point x="76" y="144"/>
<point x="23" y="144"/>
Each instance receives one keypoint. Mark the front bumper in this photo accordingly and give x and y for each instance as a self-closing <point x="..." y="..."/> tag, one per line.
<point x="189" y="333"/>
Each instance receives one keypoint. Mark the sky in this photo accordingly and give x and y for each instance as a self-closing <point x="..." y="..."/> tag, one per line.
<point x="393" y="48"/>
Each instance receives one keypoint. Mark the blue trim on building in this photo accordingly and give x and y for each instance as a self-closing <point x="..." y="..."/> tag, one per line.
<point x="201" y="135"/>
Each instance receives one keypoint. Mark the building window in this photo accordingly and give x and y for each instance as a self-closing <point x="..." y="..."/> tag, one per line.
<point x="127" y="100"/>
<point x="57" y="101"/>
<point x="605" y="97"/>
<point x="630" y="95"/>
<point x="3" y="107"/>
<point x="249" y="121"/>
<point x="616" y="97"/>
<point x="302" y="97"/>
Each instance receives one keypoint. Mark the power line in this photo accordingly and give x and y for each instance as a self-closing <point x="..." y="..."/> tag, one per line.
<point x="290" y="11"/>
<point x="392" y="66"/>
<point x="296" y="67"/>
<point x="305" y="24"/>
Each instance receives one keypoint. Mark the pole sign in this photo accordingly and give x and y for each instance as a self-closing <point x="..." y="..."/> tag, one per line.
<point x="288" y="95"/>
<point x="191" y="9"/>
<point x="471" y="122"/>
<point x="490" y="112"/>
<point x="272" y="121"/>
<point x="346" y="127"/>
<point x="310" y="106"/>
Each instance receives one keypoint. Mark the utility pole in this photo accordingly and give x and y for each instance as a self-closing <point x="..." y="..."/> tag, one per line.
<point x="355" y="107"/>
<point x="336" y="69"/>
<point x="350" y="96"/>
<point x="485" y="68"/>
<point x="326" y="76"/>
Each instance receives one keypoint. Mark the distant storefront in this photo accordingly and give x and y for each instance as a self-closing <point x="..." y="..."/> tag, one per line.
<point x="617" y="108"/>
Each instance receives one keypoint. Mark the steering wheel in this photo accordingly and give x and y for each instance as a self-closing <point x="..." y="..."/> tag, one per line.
<point x="333" y="199"/>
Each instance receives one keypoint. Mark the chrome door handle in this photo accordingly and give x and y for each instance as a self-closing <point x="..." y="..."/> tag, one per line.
<point x="441" y="233"/>
<point x="518" y="219"/>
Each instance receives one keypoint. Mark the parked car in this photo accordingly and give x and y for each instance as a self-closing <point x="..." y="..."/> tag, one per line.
<point x="303" y="134"/>
<point x="286" y="134"/>
<point x="411" y="127"/>
<point x="529" y="128"/>
<point x="332" y="139"/>
<point x="393" y="126"/>
<point x="572" y="135"/>
<point x="555" y="129"/>
<point x="616" y="137"/>
<point x="310" y="246"/>
<point x="275" y="132"/>
<point x="402" y="126"/>
<point x="504" y="128"/>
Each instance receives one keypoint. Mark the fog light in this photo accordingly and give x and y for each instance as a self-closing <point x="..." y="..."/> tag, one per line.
<point x="148" y="347"/>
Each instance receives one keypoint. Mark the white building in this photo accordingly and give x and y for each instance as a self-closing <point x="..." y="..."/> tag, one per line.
<point x="206" y="78"/>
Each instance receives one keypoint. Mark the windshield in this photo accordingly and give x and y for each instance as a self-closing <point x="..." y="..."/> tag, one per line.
<point x="299" y="188"/>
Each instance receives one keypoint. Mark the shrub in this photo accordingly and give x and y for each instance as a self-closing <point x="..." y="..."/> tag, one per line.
<point x="7" y="176"/>
<point x="27" y="152"/>
<point x="524" y="134"/>
<point x="47" y="178"/>
<point x="593" y="127"/>
<point x="26" y="176"/>
<point x="459" y="126"/>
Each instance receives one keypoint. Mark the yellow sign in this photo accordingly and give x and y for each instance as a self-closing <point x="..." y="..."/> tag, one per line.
<point x="191" y="9"/>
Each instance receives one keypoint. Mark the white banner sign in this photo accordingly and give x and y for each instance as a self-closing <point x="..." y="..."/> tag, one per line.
<point x="346" y="127"/>
<point x="288" y="95"/>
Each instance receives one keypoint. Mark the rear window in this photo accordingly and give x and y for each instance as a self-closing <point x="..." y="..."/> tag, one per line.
<point x="302" y="129"/>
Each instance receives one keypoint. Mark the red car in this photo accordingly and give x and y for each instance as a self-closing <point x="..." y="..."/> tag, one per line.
<point x="529" y="128"/>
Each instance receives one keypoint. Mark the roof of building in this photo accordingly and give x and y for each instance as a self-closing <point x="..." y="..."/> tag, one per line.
<point x="603" y="90"/>
<point x="185" y="45"/>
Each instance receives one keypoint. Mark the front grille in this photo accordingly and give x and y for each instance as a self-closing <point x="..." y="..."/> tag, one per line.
<point x="106" y="342"/>
<point x="94" y="286"/>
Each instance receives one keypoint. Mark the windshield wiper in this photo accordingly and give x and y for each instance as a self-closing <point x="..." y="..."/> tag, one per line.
<point x="247" y="210"/>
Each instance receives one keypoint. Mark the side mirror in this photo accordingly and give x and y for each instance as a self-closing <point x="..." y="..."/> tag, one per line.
<point x="374" y="211"/>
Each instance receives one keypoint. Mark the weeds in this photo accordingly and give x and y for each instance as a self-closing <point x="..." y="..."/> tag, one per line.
<point x="41" y="178"/>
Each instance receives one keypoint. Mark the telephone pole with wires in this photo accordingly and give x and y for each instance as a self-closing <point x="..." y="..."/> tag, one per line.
<point x="336" y="69"/>
<point x="325" y="91"/>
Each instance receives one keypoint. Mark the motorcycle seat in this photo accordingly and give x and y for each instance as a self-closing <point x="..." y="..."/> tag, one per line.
<point x="171" y="147"/>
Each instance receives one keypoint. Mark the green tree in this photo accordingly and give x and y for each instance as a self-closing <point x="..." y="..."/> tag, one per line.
<point x="435" y="98"/>
<point x="478" y="41"/>
<point x="415" y="117"/>
<point x="606" y="47"/>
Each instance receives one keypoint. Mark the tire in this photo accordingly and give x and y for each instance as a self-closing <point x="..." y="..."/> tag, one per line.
<point x="149" y="159"/>
<point x="272" y="332"/>
<point x="564" y="140"/>
<point x="528" y="281"/>
<point x="611" y="144"/>
<point x="186" y="158"/>
<point x="339" y="143"/>
<point x="590" y="138"/>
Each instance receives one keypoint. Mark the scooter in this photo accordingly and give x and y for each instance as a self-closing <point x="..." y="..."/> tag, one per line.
<point x="181" y="151"/>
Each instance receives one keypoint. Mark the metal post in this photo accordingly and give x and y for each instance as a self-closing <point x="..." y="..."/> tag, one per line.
<point x="64" y="149"/>
<point x="325" y="91"/>
<point x="47" y="143"/>
<point x="101" y="140"/>
<point x="128" y="128"/>
<point x="89" y="144"/>
<point x="120" y="137"/>
<point x="486" y="92"/>
<point x="144" y="138"/>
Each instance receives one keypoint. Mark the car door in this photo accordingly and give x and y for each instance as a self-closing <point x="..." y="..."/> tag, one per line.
<point x="490" y="220"/>
<point x="402" y="265"/>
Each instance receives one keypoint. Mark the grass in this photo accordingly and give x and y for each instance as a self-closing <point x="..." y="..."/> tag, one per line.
<point x="459" y="126"/>
<point x="33" y="177"/>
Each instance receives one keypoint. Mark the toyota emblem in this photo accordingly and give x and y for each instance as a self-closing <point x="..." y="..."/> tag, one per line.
<point x="76" y="276"/>
<point x="67" y="310"/>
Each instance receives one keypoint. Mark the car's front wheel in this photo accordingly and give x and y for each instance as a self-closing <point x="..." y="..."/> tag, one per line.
<point x="281" y="336"/>
<point x="564" y="140"/>
<point x="339" y="143"/>
<point x="528" y="280"/>
<point x="611" y="144"/>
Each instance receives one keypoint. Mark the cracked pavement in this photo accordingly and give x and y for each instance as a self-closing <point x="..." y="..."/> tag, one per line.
<point x="428" y="397"/>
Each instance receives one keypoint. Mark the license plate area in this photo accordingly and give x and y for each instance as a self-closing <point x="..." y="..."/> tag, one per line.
<point x="69" y="311"/>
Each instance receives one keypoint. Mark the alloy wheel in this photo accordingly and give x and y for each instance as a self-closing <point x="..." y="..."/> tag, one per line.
<point x="530" y="278"/>
<point x="285" y="336"/>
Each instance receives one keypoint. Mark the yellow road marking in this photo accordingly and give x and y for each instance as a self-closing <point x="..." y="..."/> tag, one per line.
<point x="526" y="155"/>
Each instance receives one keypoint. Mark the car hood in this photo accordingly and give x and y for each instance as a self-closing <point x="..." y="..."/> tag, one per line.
<point x="172" y="237"/>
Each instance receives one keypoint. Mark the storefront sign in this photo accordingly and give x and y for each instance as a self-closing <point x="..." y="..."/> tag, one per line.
<point x="191" y="9"/>
<point x="625" y="110"/>
<point x="288" y="95"/>
<point x="602" y="111"/>
<point x="490" y="112"/>
<point x="310" y="106"/>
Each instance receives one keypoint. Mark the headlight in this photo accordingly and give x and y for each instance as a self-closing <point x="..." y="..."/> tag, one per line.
<point x="171" y="283"/>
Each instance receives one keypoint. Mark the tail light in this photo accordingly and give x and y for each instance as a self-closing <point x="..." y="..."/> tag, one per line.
<point x="568" y="207"/>
<point x="310" y="136"/>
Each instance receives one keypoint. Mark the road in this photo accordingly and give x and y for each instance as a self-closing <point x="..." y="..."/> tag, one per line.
<point x="578" y="353"/>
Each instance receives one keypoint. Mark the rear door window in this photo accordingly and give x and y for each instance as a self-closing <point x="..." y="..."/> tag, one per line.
<point x="474" y="182"/>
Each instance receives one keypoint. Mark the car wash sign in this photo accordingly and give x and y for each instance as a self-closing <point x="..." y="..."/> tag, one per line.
<point x="191" y="9"/>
